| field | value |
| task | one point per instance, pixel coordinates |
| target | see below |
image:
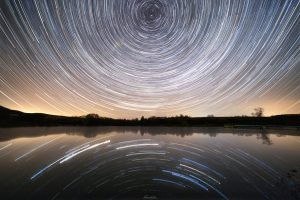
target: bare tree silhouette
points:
(258, 112)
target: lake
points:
(149, 163)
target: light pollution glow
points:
(128, 58)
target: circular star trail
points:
(127, 58)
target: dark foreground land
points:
(14, 118)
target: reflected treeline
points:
(265, 138)
(12, 133)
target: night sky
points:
(128, 58)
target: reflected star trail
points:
(127, 58)
(114, 165)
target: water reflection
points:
(89, 132)
(148, 163)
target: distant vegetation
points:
(258, 112)
(12, 118)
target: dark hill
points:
(14, 118)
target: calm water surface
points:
(148, 163)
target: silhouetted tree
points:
(91, 119)
(142, 120)
(258, 112)
(92, 116)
